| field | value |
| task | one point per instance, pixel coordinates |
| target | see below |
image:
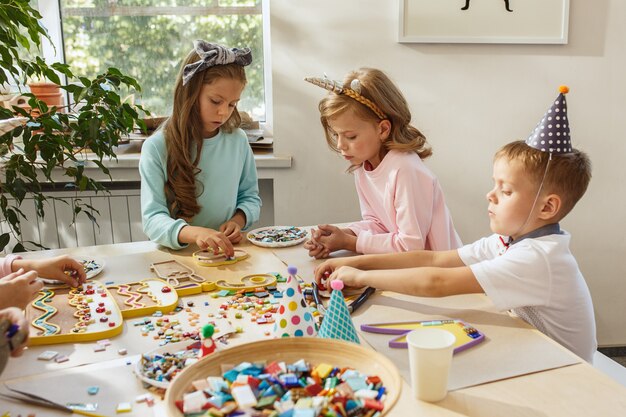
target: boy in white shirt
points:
(526, 265)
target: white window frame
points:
(53, 52)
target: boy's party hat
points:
(552, 133)
(294, 317)
(337, 323)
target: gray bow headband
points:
(212, 54)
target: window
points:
(147, 39)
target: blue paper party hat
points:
(337, 323)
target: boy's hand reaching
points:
(232, 230)
(326, 269)
(350, 276)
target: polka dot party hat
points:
(337, 323)
(294, 318)
(552, 133)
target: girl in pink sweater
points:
(367, 120)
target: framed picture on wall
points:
(484, 21)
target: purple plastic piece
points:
(401, 332)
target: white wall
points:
(468, 100)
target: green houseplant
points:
(51, 138)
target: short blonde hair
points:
(568, 174)
(378, 88)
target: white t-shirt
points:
(537, 278)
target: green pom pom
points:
(207, 331)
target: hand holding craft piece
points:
(208, 258)
(93, 267)
(12, 335)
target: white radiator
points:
(118, 221)
(119, 218)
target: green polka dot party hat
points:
(294, 318)
(337, 323)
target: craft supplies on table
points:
(64, 315)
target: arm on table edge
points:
(423, 282)
(412, 259)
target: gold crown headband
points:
(353, 92)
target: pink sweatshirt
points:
(5, 264)
(403, 208)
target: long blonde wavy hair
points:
(183, 136)
(377, 87)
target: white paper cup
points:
(430, 357)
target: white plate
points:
(92, 266)
(169, 348)
(252, 236)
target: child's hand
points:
(61, 268)
(326, 268)
(351, 277)
(232, 230)
(316, 250)
(214, 240)
(334, 238)
(14, 316)
(19, 289)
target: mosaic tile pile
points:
(276, 234)
(280, 390)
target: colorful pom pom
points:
(563, 89)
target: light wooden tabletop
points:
(573, 390)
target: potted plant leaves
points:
(51, 136)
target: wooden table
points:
(575, 390)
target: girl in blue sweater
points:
(198, 176)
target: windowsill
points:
(126, 166)
(128, 156)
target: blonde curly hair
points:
(379, 89)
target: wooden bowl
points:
(314, 350)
